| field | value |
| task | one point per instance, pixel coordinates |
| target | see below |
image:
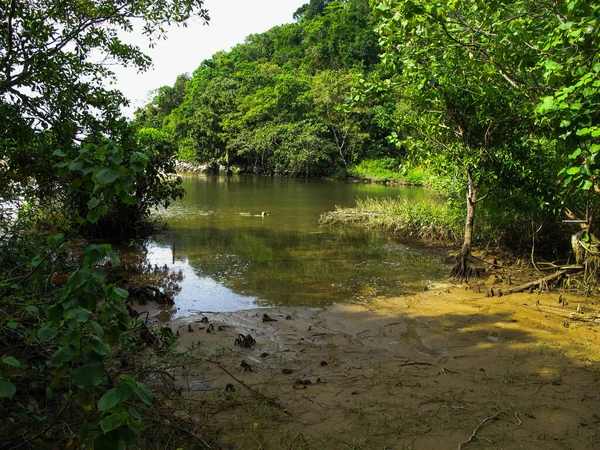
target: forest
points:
(493, 105)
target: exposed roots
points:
(465, 269)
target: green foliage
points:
(115, 187)
(570, 66)
(53, 81)
(71, 163)
(286, 101)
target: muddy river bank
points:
(446, 368)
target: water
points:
(233, 257)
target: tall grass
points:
(388, 169)
(421, 219)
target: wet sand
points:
(445, 369)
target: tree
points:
(340, 107)
(55, 59)
(470, 75)
(570, 63)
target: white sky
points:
(230, 22)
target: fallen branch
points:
(269, 401)
(478, 427)
(541, 281)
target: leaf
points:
(109, 400)
(127, 198)
(121, 292)
(135, 413)
(144, 392)
(88, 375)
(7, 389)
(94, 254)
(80, 315)
(98, 346)
(11, 361)
(93, 202)
(573, 170)
(79, 278)
(46, 334)
(63, 354)
(106, 176)
(584, 131)
(548, 103)
(111, 422)
(55, 238)
(93, 215)
(98, 329)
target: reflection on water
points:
(233, 257)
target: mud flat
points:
(444, 369)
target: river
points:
(233, 257)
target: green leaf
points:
(587, 184)
(93, 215)
(106, 176)
(7, 389)
(110, 399)
(98, 346)
(64, 354)
(93, 202)
(94, 254)
(127, 198)
(79, 278)
(121, 292)
(144, 392)
(111, 422)
(47, 333)
(584, 131)
(80, 315)
(88, 375)
(59, 153)
(55, 239)
(548, 103)
(11, 361)
(98, 329)
(573, 170)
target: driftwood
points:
(540, 282)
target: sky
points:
(230, 22)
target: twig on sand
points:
(416, 363)
(553, 380)
(269, 400)
(478, 427)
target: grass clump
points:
(422, 219)
(389, 170)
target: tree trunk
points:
(464, 268)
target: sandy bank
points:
(418, 372)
